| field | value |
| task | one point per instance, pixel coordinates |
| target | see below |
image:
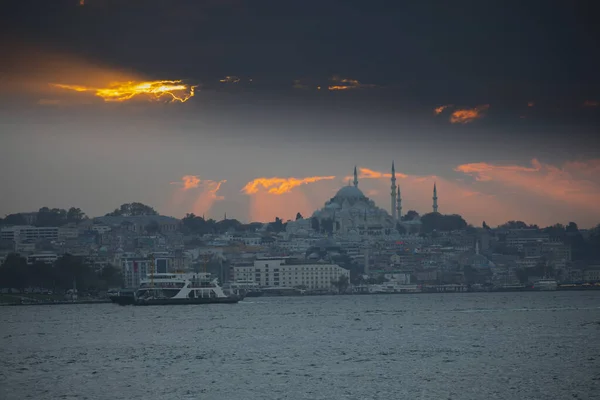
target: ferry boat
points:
(248, 287)
(393, 287)
(545, 284)
(121, 296)
(177, 288)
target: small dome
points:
(349, 192)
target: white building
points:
(44, 257)
(68, 232)
(20, 233)
(289, 272)
(134, 269)
(101, 229)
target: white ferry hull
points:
(171, 301)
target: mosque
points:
(353, 213)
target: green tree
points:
(75, 215)
(341, 284)
(14, 219)
(71, 270)
(111, 277)
(132, 210)
(51, 217)
(277, 226)
(410, 215)
(439, 222)
(14, 272)
(228, 225)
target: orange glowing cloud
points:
(280, 186)
(573, 184)
(347, 84)
(591, 103)
(175, 91)
(467, 115)
(530, 104)
(440, 109)
(230, 79)
(190, 182)
(205, 193)
(537, 193)
(366, 173)
(32, 69)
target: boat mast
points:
(151, 270)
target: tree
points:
(111, 276)
(228, 225)
(572, 228)
(341, 283)
(517, 225)
(14, 272)
(400, 228)
(555, 231)
(71, 270)
(410, 215)
(132, 210)
(299, 216)
(15, 219)
(277, 226)
(315, 225)
(485, 226)
(192, 224)
(51, 217)
(439, 222)
(75, 215)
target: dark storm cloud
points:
(419, 55)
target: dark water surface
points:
(429, 346)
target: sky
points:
(261, 109)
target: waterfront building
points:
(43, 257)
(290, 272)
(21, 233)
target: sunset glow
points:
(280, 186)
(466, 115)
(440, 109)
(230, 79)
(347, 84)
(175, 91)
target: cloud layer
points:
(197, 194)
(537, 193)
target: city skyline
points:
(505, 122)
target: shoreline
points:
(49, 303)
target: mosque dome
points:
(349, 192)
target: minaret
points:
(394, 215)
(435, 205)
(399, 204)
(355, 177)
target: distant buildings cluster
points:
(350, 238)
